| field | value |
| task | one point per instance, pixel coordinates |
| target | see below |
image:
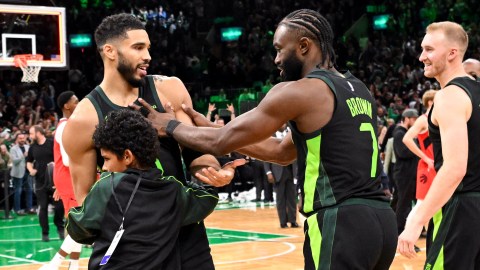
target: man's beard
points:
(127, 71)
(292, 68)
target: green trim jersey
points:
(152, 222)
(471, 180)
(340, 160)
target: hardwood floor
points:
(267, 246)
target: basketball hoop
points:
(30, 71)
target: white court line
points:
(45, 249)
(25, 240)
(42, 263)
(18, 226)
(292, 248)
(257, 232)
(18, 258)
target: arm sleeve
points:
(197, 202)
(15, 158)
(267, 166)
(84, 221)
(30, 155)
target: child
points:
(134, 213)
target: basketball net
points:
(30, 71)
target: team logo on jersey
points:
(351, 86)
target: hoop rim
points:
(21, 60)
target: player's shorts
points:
(424, 179)
(195, 248)
(453, 239)
(69, 201)
(356, 234)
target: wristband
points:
(171, 126)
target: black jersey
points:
(340, 160)
(169, 157)
(471, 181)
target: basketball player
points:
(419, 130)
(472, 68)
(454, 124)
(67, 102)
(332, 116)
(124, 45)
(149, 207)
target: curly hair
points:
(116, 26)
(127, 129)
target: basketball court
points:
(242, 235)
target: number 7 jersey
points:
(340, 160)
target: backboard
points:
(33, 30)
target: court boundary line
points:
(18, 259)
(236, 230)
(290, 250)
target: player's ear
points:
(304, 45)
(452, 54)
(108, 51)
(128, 158)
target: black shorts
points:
(453, 239)
(195, 248)
(356, 234)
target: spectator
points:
(20, 177)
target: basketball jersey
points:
(61, 172)
(425, 143)
(471, 180)
(169, 156)
(424, 175)
(340, 160)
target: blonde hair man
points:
(454, 125)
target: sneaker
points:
(32, 212)
(294, 225)
(45, 238)
(20, 213)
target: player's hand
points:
(159, 120)
(387, 193)
(221, 177)
(198, 119)
(430, 163)
(408, 238)
(270, 178)
(33, 172)
(56, 195)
